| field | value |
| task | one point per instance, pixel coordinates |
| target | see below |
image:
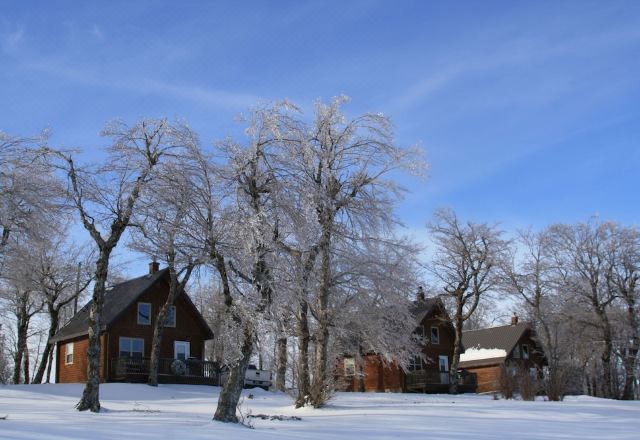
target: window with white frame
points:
(170, 320)
(516, 352)
(68, 353)
(435, 335)
(525, 351)
(349, 366)
(419, 331)
(415, 363)
(144, 313)
(131, 347)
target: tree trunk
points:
(158, 328)
(607, 382)
(21, 343)
(281, 363)
(91, 394)
(49, 364)
(48, 349)
(230, 394)
(303, 355)
(175, 288)
(319, 391)
(457, 348)
(631, 356)
(25, 360)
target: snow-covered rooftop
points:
(476, 354)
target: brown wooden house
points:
(430, 376)
(490, 352)
(128, 318)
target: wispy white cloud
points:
(528, 52)
(193, 93)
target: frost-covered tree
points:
(467, 256)
(342, 168)
(60, 273)
(255, 184)
(530, 273)
(104, 196)
(20, 295)
(622, 277)
(28, 190)
(374, 280)
(580, 259)
(163, 232)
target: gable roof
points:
(425, 308)
(495, 338)
(116, 300)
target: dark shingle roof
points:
(504, 338)
(116, 300)
(423, 308)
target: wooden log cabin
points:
(491, 352)
(128, 319)
(369, 373)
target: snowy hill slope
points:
(135, 411)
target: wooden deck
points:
(191, 371)
(430, 382)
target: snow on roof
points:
(475, 354)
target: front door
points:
(443, 367)
(181, 350)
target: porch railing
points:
(426, 379)
(130, 367)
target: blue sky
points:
(529, 112)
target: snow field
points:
(136, 411)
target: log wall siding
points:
(487, 378)
(377, 376)
(76, 372)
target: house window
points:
(68, 353)
(435, 335)
(170, 320)
(525, 351)
(182, 350)
(419, 332)
(131, 347)
(516, 352)
(144, 313)
(415, 363)
(349, 367)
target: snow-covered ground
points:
(133, 411)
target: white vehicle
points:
(252, 378)
(257, 378)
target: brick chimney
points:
(514, 319)
(420, 294)
(154, 267)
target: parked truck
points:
(252, 378)
(257, 378)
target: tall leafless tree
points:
(580, 253)
(622, 278)
(104, 197)
(60, 273)
(163, 222)
(464, 268)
